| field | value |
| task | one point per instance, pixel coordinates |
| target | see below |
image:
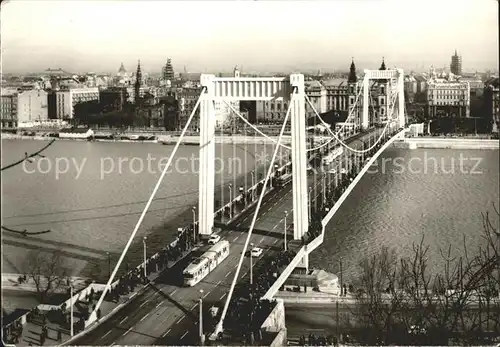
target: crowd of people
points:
(247, 311)
(127, 283)
(321, 340)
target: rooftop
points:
(335, 82)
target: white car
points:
(332, 171)
(256, 252)
(214, 238)
(343, 171)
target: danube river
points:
(91, 194)
(97, 202)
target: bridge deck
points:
(167, 313)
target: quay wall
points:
(447, 143)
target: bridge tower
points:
(393, 79)
(230, 89)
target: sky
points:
(213, 36)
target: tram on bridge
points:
(202, 266)
(281, 177)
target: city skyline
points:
(98, 36)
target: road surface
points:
(167, 313)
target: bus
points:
(332, 155)
(202, 266)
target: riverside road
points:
(167, 313)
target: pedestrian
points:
(59, 335)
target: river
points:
(435, 193)
(98, 201)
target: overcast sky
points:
(260, 35)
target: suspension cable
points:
(253, 126)
(219, 327)
(146, 208)
(343, 143)
(351, 112)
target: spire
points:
(456, 52)
(138, 83)
(352, 73)
(382, 67)
(168, 72)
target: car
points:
(332, 171)
(256, 252)
(214, 238)
(343, 171)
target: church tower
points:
(138, 84)
(383, 97)
(352, 91)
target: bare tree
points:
(455, 303)
(377, 299)
(47, 271)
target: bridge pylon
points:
(395, 80)
(220, 89)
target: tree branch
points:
(25, 232)
(27, 157)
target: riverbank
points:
(447, 143)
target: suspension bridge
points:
(166, 312)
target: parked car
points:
(256, 252)
(214, 238)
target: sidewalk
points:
(32, 330)
(11, 282)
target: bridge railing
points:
(313, 243)
(251, 190)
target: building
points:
(448, 99)
(61, 103)
(122, 77)
(456, 64)
(8, 115)
(316, 93)
(410, 84)
(149, 114)
(32, 106)
(421, 84)
(168, 71)
(113, 99)
(491, 99)
(170, 112)
(476, 85)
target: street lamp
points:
(71, 308)
(202, 336)
(286, 214)
(194, 223)
(341, 281)
(324, 189)
(230, 201)
(253, 184)
(310, 202)
(251, 265)
(144, 243)
(109, 264)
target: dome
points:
(122, 72)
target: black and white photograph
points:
(250, 173)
